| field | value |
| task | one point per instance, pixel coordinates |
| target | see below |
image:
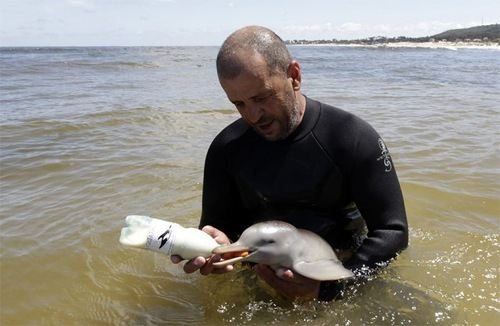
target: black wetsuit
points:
(314, 179)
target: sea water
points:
(90, 135)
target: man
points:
(298, 160)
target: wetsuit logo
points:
(164, 237)
(385, 155)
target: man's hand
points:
(205, 264)
(288, 283)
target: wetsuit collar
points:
(308, 122)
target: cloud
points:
(80, 3)
(351, 30)
(327, 27)
(86, 5)
(350, 27)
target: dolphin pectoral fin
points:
(322, 270)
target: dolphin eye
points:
(266, 242)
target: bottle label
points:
(161, 236)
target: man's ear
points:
(294, 72)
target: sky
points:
(209, 22)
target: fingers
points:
(205, 265)
(267, 274)
(280, 273)
(285, 274)
(217, 234)
(194, 264)
(210, 230)
(291, 285)
(175, 259)
(223, 270)
(209, 268)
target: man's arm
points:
(377, 193)
(219, 207)
(221, 204)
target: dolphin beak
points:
(241, 252)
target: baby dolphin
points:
(280, 244)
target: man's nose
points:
(253, 113)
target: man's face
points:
(266, 102)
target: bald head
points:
(250, 41)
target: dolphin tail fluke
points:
(322, 270)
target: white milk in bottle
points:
(169, 238)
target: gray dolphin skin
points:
(280, 244)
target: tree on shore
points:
(482, 34)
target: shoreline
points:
(426, 45)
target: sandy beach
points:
(442, 45)
(426, 45)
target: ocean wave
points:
(111, 64)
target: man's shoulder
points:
(339, 124)
(335, 116)
(231, 133)
(340, 133)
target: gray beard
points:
(293, 117)
(293, 122)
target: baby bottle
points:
(167, 237)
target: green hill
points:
(482, 34)
(492, 32)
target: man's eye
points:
(261, 99)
